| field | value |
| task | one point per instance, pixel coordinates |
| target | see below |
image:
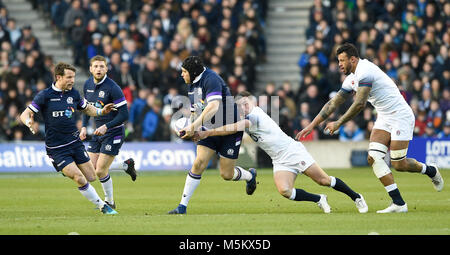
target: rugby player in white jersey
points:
(393, 128)
(289, 157)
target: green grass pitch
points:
(49, 204)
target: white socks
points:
(89, 192)
(391, 187)
(241, 174)
(424, 168)
(107, 185)
(192, 181)
(118, 166)
(333, 181)
(293, 194)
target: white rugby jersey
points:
(268, 135)
(384, 95)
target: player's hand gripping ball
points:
(179, 124)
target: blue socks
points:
(339, 185)
(302, 195)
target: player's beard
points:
(347, 69)
(98, 78)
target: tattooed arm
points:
(360, 102)
(358, 105)
(326, 111)
(331, 106)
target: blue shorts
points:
(63, 156)
(226, 146)
(110, 143)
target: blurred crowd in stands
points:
(145, 42)
(408, 39)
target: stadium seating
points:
(145, 42)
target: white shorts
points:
(400, 125)
(296, 160)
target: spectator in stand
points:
(430, 131)
(312, 97)
(350, 132)
(95, 47)
(126, 82)
(13, 30)
(27, 37)
(435, 115)
(265, 99)
(76, 40)
(445, 101)
(58, 10)
(445, 133)
(151, 121)
(29, 71)
(420, 123)
(311, 136)
(173, 51)
(155, 36)
(136, 108)
(11, 77)
(150, 76)
(425, 100)
(163, 131)
(72, 13)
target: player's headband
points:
(194, 66)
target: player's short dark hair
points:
(349, 49)
(194, 65)
(61, 66)
(97, 58)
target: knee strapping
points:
(398, 155)
(378, 151)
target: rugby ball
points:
(179, 124)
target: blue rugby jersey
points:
(57, 108)
(100, 94)
(209, 86)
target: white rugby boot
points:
(393, 208)
(437, 180)
(323, 204)
(361, 204)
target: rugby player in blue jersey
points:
(108, 138)
(212, 105)
(57, 105)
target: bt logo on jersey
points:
(68, 113)
(56, 114)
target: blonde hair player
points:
(109, 134)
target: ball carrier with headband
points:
(393, 128)
(211, 102)
(110, 133)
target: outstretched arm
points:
(94, 111)
(358, 105)
(223, 130)
(206, 115)
(326, 111)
